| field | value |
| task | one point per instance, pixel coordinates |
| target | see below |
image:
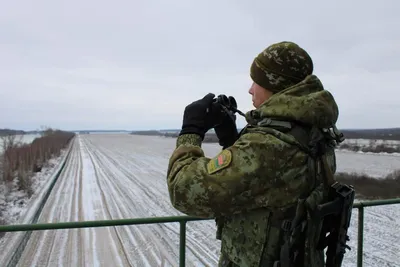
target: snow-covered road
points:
(102, 182)
(123, 176)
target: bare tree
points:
(10, 141)
(7, 143)
(46, 130)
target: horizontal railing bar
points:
(379, 202)
(97, 223)
(148, 220)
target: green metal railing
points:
(183, 220)
(360, 206)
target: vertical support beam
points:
(182, 243)
(360, 236)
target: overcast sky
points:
(136, 64)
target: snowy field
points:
(123, 176)
(375, 165)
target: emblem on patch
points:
(219, 162)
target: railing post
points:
(360, 236)
(182, 243)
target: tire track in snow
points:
(137, 238)
(138, 207)
(101, 243)
(40, 248)
(74, 197)
(194, 246)
(76, 258)
(143, 193)
(107, 210)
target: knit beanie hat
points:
(280, 66)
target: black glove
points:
(197, 118)
(226, 131)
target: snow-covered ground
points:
(118, 176)
(14, 202)
(376, 165)
(20, 209)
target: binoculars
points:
(227, 102)
(223, 107)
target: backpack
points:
(322, 216)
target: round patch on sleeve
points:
(219, 162)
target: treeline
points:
(372, 188)
(6, 132)
(208, 137)
(381, 134)
(371, 147)
(149, 132)
(20, 161)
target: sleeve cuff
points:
(189, 139)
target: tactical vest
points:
(298, 229)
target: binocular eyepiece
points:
(228, 102)
(224, 103)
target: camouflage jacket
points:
(262, 174)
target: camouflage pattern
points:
(281, 65)
(305, 102)
(266, 175)
(186, 139)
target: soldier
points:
(253, 185)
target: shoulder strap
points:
(316, 142)
(274, 123)
(299, 133)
